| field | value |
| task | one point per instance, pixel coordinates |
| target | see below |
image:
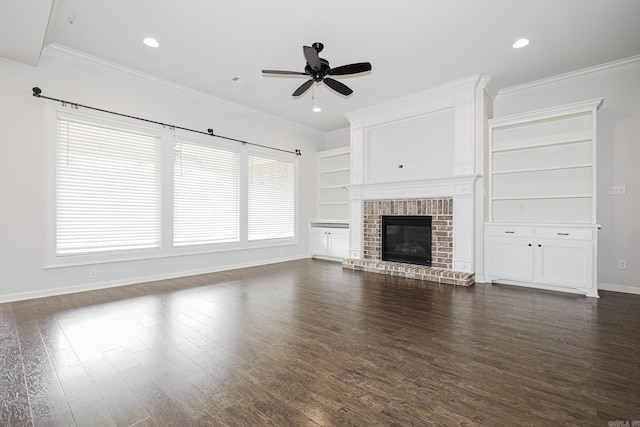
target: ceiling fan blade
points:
(287, 73)
(359, 67)
(303, 88)
(312, 57)
(337, 86)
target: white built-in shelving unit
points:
(333, 178)
(329, 232)
(542, 198)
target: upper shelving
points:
(333, 177)
(542, 165)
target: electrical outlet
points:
(93, 273)
(622, 264)
(616, 190)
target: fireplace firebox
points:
(406, 239)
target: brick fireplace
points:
(440, 210)
(449, 207)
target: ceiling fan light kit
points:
(317, 69)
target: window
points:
(205, 195)
(118, 190)
(107, 188)
(271, 193)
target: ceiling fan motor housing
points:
(318, 75)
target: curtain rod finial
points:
(36, 91)
(298, 153)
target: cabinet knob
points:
(539, 246)
(529, 244)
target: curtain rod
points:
(37, 92)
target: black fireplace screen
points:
(406, 239)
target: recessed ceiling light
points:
(520, 43)
(151, 42)
(316, 109)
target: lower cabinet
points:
(329, 240)
(549, 257)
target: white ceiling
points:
(413, 45)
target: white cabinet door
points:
(564, 263)
(318, 241)
(339, 242)
(509, 259)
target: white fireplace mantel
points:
(460, 188)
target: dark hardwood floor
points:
(306, 343)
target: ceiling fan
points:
(318, 69)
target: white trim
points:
(613, 287)
(73, 56)
(337, 132)
(572, 77)
(427, 101)
(588, 106)
(140, 279)
(423, 189)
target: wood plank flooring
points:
(306, 343)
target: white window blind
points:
(271, 198)
(107, 188)
(205, 195)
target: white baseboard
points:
(133, 280)
(627, 289)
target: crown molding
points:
(337, 133)
(434, 99)
(82, 59)
(614, 67)
(487, 84)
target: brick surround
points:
(441, 212)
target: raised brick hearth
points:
(441, 212)
(410, 271)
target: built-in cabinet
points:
(329, 240)
(542, 199)
(550, 257)
(329, 233)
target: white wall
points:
(618, 155)
(22, 171)
(336, 139)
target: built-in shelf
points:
(551, 168)
(334, 170)
(564, 196)
(333, 178)
(547, 160)
(544, 144)
(542, 229)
